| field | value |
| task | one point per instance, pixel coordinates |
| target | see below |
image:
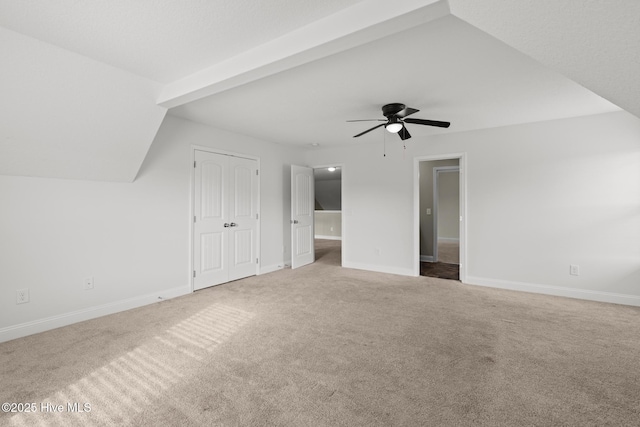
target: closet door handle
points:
(226, 225)
(233, 224)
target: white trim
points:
(327, 211)
(60, 320)
(462, 165)
(317, 236)
(448, 240)
(380, 268)
(426, 258)
(584, 294)
(192, 188)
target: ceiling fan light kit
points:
(396, 114)
(394, 125)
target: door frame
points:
(436, 171)
(462, 164)
(342, 209)
(192, 201)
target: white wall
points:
(64, 115)
(540, 197)
(133, 238)
(448, 205)
(328, 225)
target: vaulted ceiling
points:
(86, 85)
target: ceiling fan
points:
(395, 120)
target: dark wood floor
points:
(440, 270)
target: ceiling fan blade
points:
(428, 122)
(406, 112)
(369, 130)
(404, 133)
(367, 120)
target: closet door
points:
(243, 211)
(225, 218)
(210, 216)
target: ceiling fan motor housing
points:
(390, 110)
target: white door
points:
(225, 218)
(302, 207)
(243, 217)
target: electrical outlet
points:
(574, 270)
(88, 283)
(22, 296)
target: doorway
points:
(329, 230)
(439, 225)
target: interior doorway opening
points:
(439, 219)
(328, 224)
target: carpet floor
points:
(329, 346)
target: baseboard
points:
(379, 268)
(426, 258)
(328, 237)
(584, 294)
(271, 268)
(448, 240)
(53, 322)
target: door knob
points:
(233, 224)
(295, 221)
(226, 225)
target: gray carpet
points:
(327, 346)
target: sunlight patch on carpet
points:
(117, 391)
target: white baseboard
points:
(448, 240)
(379, 268)
(584, 294)
(271, 268)
(53, 322)
(328, 237)
(426, 258)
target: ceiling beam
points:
(354, 26)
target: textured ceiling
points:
(593, 42)
(447, 68)
(162, 40)
(293, 71)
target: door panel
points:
(302, 207)
(212, 252)
(244, 207)
(209, 232)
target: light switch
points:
(428, 211)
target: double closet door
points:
(225, 218)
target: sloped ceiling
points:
(85, 85)
(596, 43)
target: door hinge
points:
(194, 163)
(194, 218)
(257, 173)
(257, 216)
(256, 260)
(194, 273)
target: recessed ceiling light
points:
(331, 169)
(314, 144)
